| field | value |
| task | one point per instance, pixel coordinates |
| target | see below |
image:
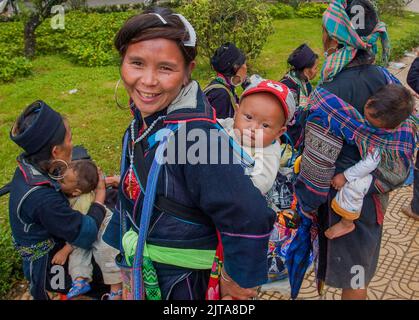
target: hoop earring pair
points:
(61, 173)
(234, 82)
(115, 95)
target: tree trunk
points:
(29, 35)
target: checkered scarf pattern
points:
(339, 27)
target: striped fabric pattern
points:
(343, 120)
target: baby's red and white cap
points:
(279, 90)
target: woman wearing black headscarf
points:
(304, 63)
(41, 218)
(230, 64)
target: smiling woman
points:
(173, 258)
(154, 72)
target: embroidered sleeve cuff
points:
(87, 235)
(245, 259)
(97, 212)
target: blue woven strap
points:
(147, 210)
(150, 195)
(246, 160)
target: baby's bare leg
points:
(115, 289)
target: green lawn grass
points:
(289, 33)
(96, 121)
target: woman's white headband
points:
(192, 34)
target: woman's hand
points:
(113, 181)
(231, 290)
(100, 188)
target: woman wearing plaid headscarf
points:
(351, 29)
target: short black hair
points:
(392, 104)
(146, 26)
(87, 175)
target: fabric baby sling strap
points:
(144, 276)
(162, 203)
(142, 267)
(220, 86)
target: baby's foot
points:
(113, 295)
(80, 286)
(339, 229)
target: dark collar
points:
(202, 111)
(33, 176)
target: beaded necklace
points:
(221, 79)
(131, 151)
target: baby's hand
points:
(339, 181)
(112, 181)
(100, 190)
(60, 258)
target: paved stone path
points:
(397, 275)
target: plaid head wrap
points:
(339, 27)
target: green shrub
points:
(407, 43)
(11, 39)
(311, 10)
(281, 11)
(91, 56)
(243, 22)
(292, 3)
(393, 7)
(11, 68)
(77, 4)
(114, 8)
(173, 3)
(87, 38)
(12, 63)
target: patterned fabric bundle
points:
(343, 120)
(34, 252)
(298, 255)
(339, 27)
(332, 121)
(151, 285)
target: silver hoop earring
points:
(115, 95)
(239, 83)
(61, 172)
